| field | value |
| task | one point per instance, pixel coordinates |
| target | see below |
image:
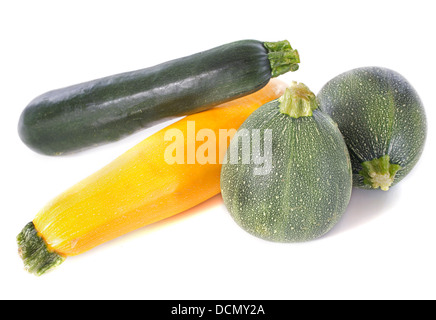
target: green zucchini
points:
(308, 185)
(104, 110)
(382, 120)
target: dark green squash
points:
(382, 120)
(307, 186)
(107, 109)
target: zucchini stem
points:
(298, 101)
(36, 256)
(379, 173)
(282, 57)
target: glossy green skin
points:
(308, 188)
(379, 113)
(107, 109)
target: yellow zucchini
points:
(138, 188)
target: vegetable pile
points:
(284, 159)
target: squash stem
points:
(379, 173)
(282, 57)
(36, 256)
(298, 101)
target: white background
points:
(383, 248)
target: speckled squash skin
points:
(379, 113)
(308, 188)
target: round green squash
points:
(382, 120)
(287, 173)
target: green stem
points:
(282, 57)
(379, 173)
(298, 101)
(36, 256)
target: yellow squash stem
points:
(148, 183)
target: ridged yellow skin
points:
(140, 187)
